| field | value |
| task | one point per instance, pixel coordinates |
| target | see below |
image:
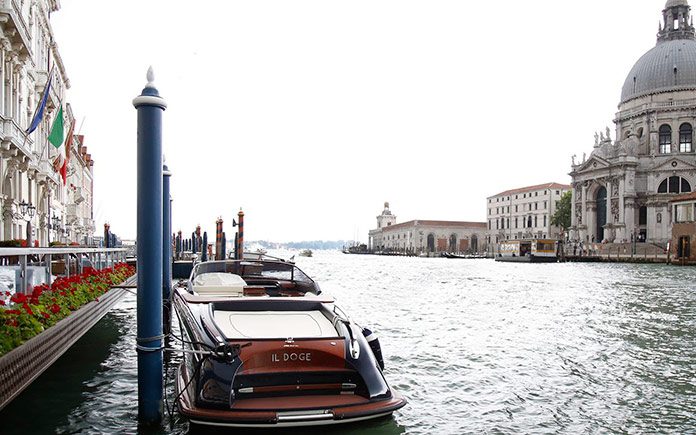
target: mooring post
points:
(240, 223)
(149, 297)
(204, 252)
(166, 247)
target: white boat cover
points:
(219, 283)
(274, 324)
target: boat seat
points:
(219, 284)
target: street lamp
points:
(23, 207)
(31, 210)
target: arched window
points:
(685, 138)
(665, 139)
(674, 185)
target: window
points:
(665, 139)
(497, 224)
(536, 193)
(516, 209)
(516, 223)
(489, 212)
(536, 206)
(536, 223)
(544, 205)
(544, 221)
(685, 138)
(490, 224)
(529, 222)
(684, 213)
(502, 224)
(524, 196)
(674, 185)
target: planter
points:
(20, 366)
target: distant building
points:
(428, 236)
(622, 190)
(524, 213)
(684, 228)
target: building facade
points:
(622, 191)
(524, 213)
(684, 229)
(36, 203)
(426, 236)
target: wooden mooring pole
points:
(150, 107)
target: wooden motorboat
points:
(265, 348)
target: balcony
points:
(13, 138)
(17, 22)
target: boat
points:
(264, 347)
(528, 251)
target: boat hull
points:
(527, 259)
(287, 411)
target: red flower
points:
(55, 308)
(2, 303)
(13, 312)
(19, 298)
(46, 315)
(28, 309)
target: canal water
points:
(476, 346)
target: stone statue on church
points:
(573, 159)
(596, 139)
(608, 134)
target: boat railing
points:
(21, 268)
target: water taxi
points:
(528, 251)
(264, 347)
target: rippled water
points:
(476, 346)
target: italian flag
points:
(56, 139)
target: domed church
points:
(621, 191)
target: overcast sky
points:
(311, 114)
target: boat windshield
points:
(267, 270)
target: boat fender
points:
(373, 341)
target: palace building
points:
(524, 213)
(622, 190)
(426, 236)
(39, 203)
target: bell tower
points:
(386, 218)
(677, 22)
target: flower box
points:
(21, 365)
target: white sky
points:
(311, 114)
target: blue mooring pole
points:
(166, 248)
(149, 248)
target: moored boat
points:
(528, 251)
(265, 348)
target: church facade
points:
(622, 190)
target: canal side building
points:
(426, 236)
(684, 229)
(622, 191)
(524, 213)
(37, 201)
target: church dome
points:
(672, 3)
(669, 66)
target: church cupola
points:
(386, 219)
(677, 22)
